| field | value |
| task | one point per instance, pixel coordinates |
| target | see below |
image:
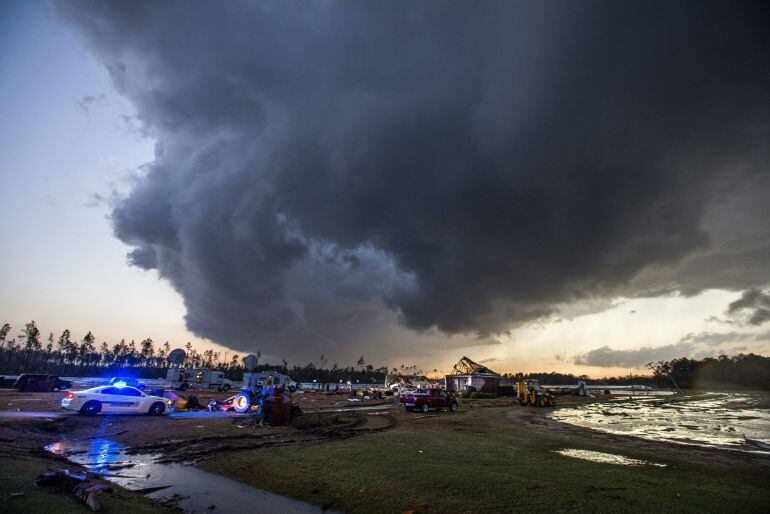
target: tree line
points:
(743, 371)
(554, 378)
(64, 355)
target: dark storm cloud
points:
(753, 307)
(325, 167)
(698, 346)
(143, 257)
(607, 357)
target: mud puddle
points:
(605, 458)
(735, 421)
(184, 486)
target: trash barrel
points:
(281, 409)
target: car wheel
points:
(453, 407)
(242, 403)
(292, 389)
(184, 387)
(225, 388)
(91, 408)
(156, 409)
(424, 407)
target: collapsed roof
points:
(467, 367)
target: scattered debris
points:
(193, 403)
(79, 485)
(87, 493)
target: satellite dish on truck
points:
(177, 356)
(251, 362)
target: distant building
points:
(467, 373)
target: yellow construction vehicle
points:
(531, 393)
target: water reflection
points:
(722, 420)
(187, 487)
(103, 453)
(606, 458)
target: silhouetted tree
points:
(3, 334)
(31, 338)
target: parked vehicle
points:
(115, 400)
(40, 382)
(127, 381)
(200, 378)
(530, 392)
(267, 378)
(427, 399)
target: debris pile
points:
(77, 484)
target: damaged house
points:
(467, 373)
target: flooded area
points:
(184, 486)
(605, 458)
(735, 421)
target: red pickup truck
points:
(426, 399)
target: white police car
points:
(115, 399)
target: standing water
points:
(737, 421)
(186, 487)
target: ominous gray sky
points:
(330, 177)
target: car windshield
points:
(129, 391)
(121, 391)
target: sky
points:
(577, 188)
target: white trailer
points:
(266, 378)
(199, 378)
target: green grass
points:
(480, 461)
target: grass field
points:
(482, 460)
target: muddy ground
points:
(216, 442)
(191, 436)
(195, 435)
(31, 421)
(184, 435)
